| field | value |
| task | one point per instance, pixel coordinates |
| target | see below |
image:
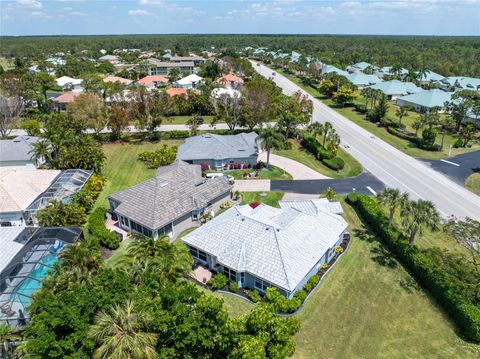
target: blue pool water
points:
(29, 285)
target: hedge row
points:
(422, 266)
(322, 154)
(414, 139)
(96, 227)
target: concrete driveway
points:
(297, 170)
(252, 185)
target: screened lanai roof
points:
(65, 184)
(23, 275)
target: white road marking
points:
(451, 163)
(371, 190)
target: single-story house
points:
(259, 247)
(361, 80)
(425, 100)
(69, 83)
(327, 69)
(174, 91)
(25, 191)
(394, 88)
(157, 67)
(169, 203)
(430, 76)
(60, 103)
(453, 83)
(220, 91)
(56, 61)
(113, 79)
(188, 82)
(113, 59)
(152, 81)
(220, 150)
(294, 56)
(18, 152)
(197, 60)
(230, 80)
(360, 66)
(387, 71)
(35, 69)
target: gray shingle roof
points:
(17, 149)
(159, 63)
(211, 146)
(176, 190)
(279, 245)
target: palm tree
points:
(401, 113)
(120, 334)
(416, 215)
(327, 130)
(81, 259)
(271, 139)
(6, 337)
(393, 199)
(316, 129)
(333, 141)
(41, 151)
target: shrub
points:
(360, 108)
(33, 127)
(458, 143)
(422, 265)
(311, 283)
(96, 227)
(233, 287)
(204, 166)
(335, 163)
(315, 147)
(254, 296)
(283, 304)
(219, 281)
(176, 134)
(161, 157)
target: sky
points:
(90, 17)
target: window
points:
(231, 274)
(198, 254)
(242, 277)
(261, 284)
(202, 256)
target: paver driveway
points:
(298, 170)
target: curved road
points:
(391, 166)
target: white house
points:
(188, 82)
(258, 246)
(425, 100)
(70, 84)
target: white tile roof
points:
(20, 187)
(279, 245)
(313, 206)
(190, 79)
(8, 245)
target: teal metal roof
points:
(330, 68)
(361, 65)
(431, 76)
(466, 83)
(428, 99)
(396, 87)
(360, 79)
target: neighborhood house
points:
(218, 151)
(188, 82)
(18, 152)
(157, 67)
(264, 247)
(169, 203)
(425, 100)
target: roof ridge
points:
(281, 260)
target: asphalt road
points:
(458, 168)
(364, 183)
(389, 165)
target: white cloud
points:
(77, 13)
(33, 4)
(139, 12)
(150, 3)
(67, 8)
(40, 14)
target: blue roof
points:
(387, 70)
(429, 98)
(431, 76)
(466, 83)
(330, 68)
(361, 79)
(361, 65)
(396, 87)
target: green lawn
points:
(473, 183)
(273, 173)
(123, 169)
(182, 120)
(270, 198)
(299, 154)
(369, 307)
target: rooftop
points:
(395, 87)
(177, 91)
(279, 245)
(152, 79)
(158, 63)
(18, 149)
(212, 146)
(67, 97)
(175, 191)
(227, 79)
(190, 79)
(429, 98)
(114, 79)
(359, 78)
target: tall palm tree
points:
(327, 130)
(81, 258)
(271, 139)
(393, 199)
(333, 141)
(41, 151)
(315, 128)
(419, 214)
(401, 113)
(120, 334)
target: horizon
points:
(284, 17)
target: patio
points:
(113, 226)
(201, 274)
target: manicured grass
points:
(270, 198)
(272, 173)
(182, 120)
(473, 183)
(369, 307)
(123, 169)
(299, 154)
(235, 305)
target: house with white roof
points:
(362, 80)
(113, 59)
(69, 83)
(453, 83)
(394, 88)
(259, 247)
(56, 61)
(430, 76)
(425, 100)
(218, 151)
(24, 191)
(360, 66)
(188, 82)
(228, 91)
(387, 71)
(327, 69)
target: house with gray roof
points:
(169, 203)
(157, 67)
(261, 247)
(453, 83)
(327, 69)
(430, 76)
(360, 66)
(388, 71)
(219, 151)
(394, 88)
(362, 80)
(18, 152)
(425, 100)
